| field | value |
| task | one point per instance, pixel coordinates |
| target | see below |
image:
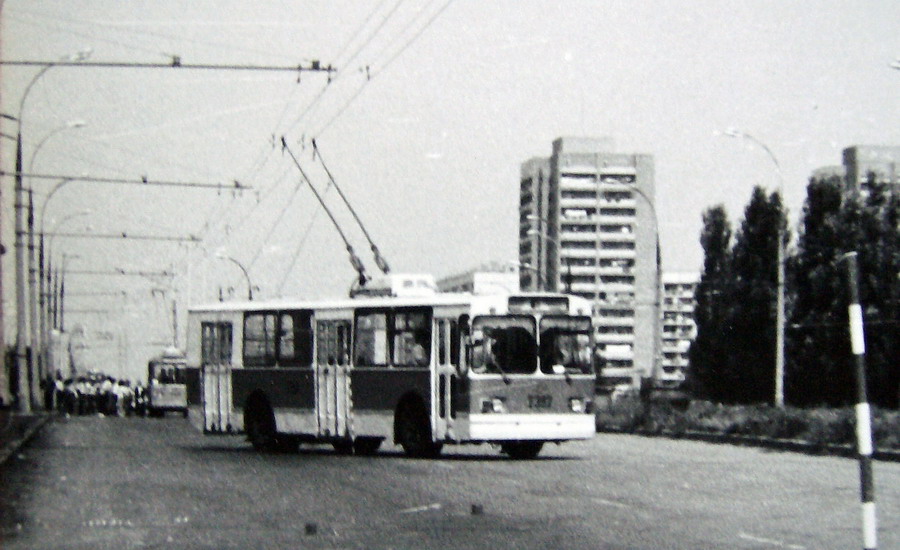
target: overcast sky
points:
(424, 126)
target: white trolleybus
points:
(512, 370)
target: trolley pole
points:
(863, 412)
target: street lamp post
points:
(780, 268)
(23, 365)
(45, 272)
(35, 274)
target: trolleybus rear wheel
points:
(261, 429)
(522, 450)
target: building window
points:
(578, 195)
(617, 245)
(617, 211)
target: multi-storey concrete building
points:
(490, 278)
(678, 326)
(587, 225)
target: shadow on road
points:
(395, 454)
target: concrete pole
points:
(23, 388)
(36, 348)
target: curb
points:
(12, 447)
(788, 445)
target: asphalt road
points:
(93, 482)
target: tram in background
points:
(166, 384)
(422, 371)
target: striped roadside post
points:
(863, 412)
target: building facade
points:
(862, 160)
(678, 326)
(587, 226)
(490, 278)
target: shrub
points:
(821, 426)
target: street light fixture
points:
(780, 267)
(223, 256)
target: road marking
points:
(609, 503)
(771, 542)
(435, 506)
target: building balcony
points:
(565, 203)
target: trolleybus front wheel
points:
(522, 450)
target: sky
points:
(424, 124)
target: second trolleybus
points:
(512, 370)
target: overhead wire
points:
(266, 153)
(372, 75)
(113, 26)
(347, 62)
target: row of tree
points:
(733, 357)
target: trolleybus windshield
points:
(565, 345)
(504, 345)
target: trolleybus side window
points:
(295, 339)
(371, 339)
(411, 338)
(259, 339)
(400, 337)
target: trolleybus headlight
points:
(576, 404)
(493, 405)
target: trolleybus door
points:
(333, 379)
(443, 381)
(216, 377)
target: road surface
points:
(94, 482)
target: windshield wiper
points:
(503, 374)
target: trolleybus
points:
(420, 371)
(166, 388)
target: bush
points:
(821, 427)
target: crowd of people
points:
(94, 393)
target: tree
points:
(836, 222)
(819, 370)
(752, 310)
(707, 377)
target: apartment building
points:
(678, 326)
(587, 226)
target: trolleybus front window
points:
(503, 345)
(565, 345)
